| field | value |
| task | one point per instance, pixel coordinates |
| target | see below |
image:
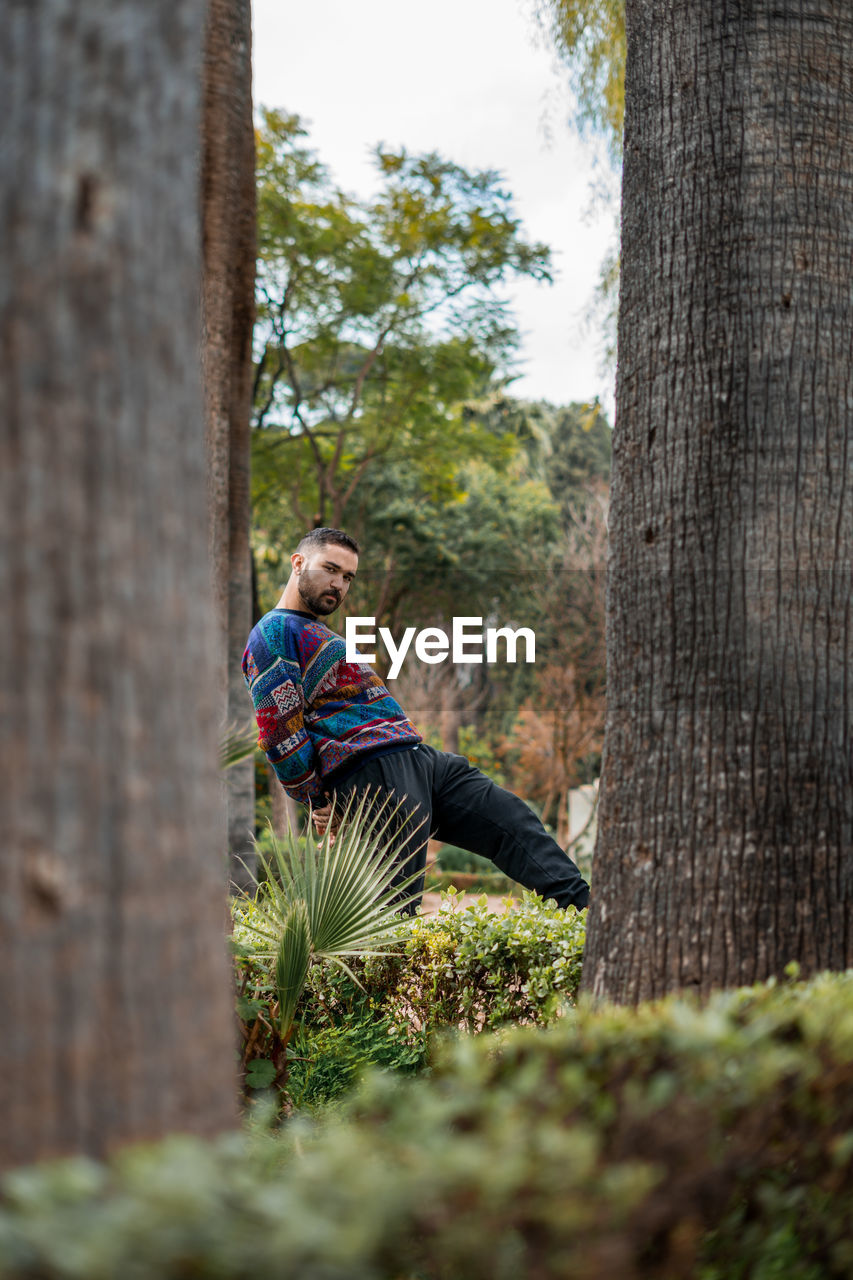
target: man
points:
(331, 729)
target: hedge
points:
(667, 1141)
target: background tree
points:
(725, 845)
(469, 557)
(229, 241)
(546, 720)
(588, 37)
(116, 1013)
(381, 406)
(375, 319)
(523, 545)
(555, 740)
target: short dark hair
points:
(323, 537)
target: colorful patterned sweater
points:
(316, 712)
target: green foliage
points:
(481, 754)
(292, 959)
(346, 1030)
(260, 1073)
(565, 446)
(472, 968)
(589, 37)
(493, 546)
(398, 433)
(375, 320)
(667, 1141)
(425, 553)
(322, 900)
(581, 445)
(464, 968)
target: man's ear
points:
(297, 560)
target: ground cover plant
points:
(671, 1140)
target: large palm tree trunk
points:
(228, 221)
(725, 843)
(115, 987)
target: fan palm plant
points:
(329, 899)
(238, 742)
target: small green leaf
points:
(248, 1009)
(260, 1073)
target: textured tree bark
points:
(115, 988)
(228, 219)
(725, 846)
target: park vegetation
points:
(434, 1098)
(443, 1105)
(384, 359)
(667, 1141)
(467, 968)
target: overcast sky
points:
(470, 79)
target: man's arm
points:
(279, 711)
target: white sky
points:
(469, 79)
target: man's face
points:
(324, 576)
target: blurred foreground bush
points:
(668, 1141)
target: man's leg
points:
(475, 813)
(401, 780)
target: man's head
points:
(324, 565)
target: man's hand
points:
(325, 819)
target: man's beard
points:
(318, 601)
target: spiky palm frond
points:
(291, 966)
(238, 742)
(342, 893)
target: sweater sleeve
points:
(279, 705)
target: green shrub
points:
(340, 1027)
(464, 968)
(332, 1053)
(324, 901)
(472, 968)
(668, 1141)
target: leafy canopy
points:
(376, 318)
(589, 37)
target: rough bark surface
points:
(725, 845)
(228, 220)
(115, 993)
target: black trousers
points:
(445, 797)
